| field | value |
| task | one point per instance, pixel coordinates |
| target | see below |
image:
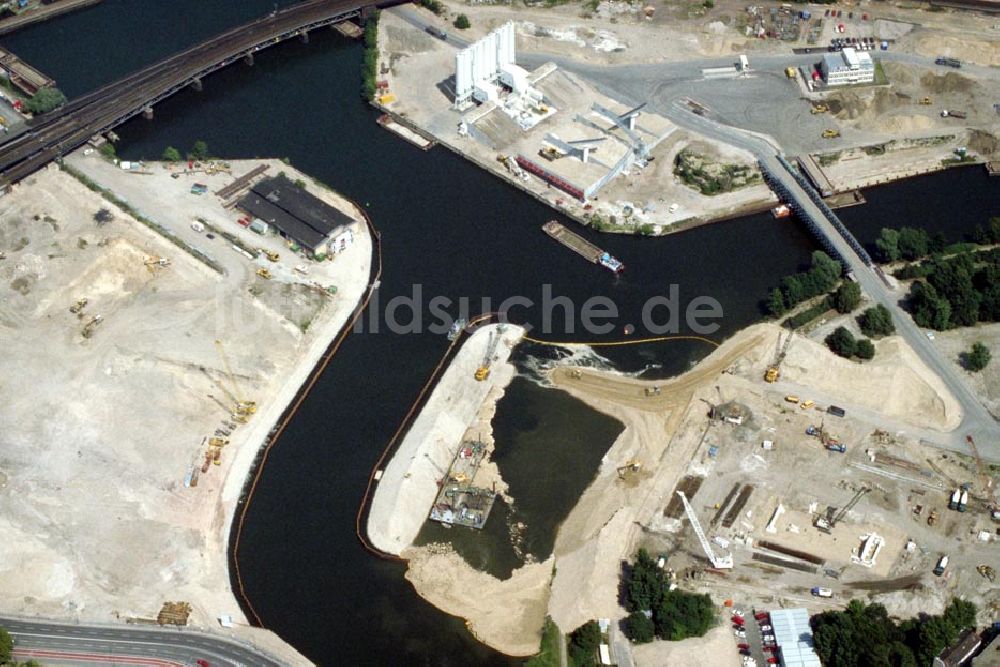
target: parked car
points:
(761, 616)
(765, 628)
(741, 646)
(738, 612)
(772, 660)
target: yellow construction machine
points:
(270, 254)
(244, 407)
(78, 307)
(483, 371)
(153, 262)
(264, 273)
(773, 372)
(790, 72)
(630, 468)
(819, 107)
(831, 134)
(925, 101)
(88, 328)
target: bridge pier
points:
(197, 84)
(147, 113)
(248, 59)
(304, 36)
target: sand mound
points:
(717, 647)
(895, 383)
(983, 142)
(904, 124)
(951, 82)
(979, 51)
(507, 615)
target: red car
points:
(770, 649)
(202, 663)
(772, 660)
(761, 616)
(738, 620)
(742, 646)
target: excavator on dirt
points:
(831, 133)
(819, 107)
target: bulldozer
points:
(932, 517)
(631, 467)
(819, 107)
(78, 307)
(217, 442)
(925, 101)
(270, 254)
(153, 262)
(987, 571)
(88, 328)
(264, 273)
(831, 134)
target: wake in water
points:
(534, 362)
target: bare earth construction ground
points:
(99, 433)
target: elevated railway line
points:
(55, 134)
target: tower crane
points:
(483, 371)
(718, 562)
(244, 407)
(826, 525)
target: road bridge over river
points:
(55, 134)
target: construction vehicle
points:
(244, 407)
(153, 262)
(941, 566)
(773, 372)
(790, 72)
(836, 447)
(955, 497)
(483, 371)
(988, 572)
(270, 254)
(88, 328)
(217, 442)
(945, 113)
(631, 467)
(807, 404)
(827, 523)
(791, 399)
(831, 133)
(963, 502)
(78, 307)
(932, 517)
(925, 101)
(819, 107)
(718, 562)
(264, 273)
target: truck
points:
(948, 62)
(941, 566)
(952, 114)
(836, 447)
(744, 64)
(822, 592)
(836, 411)
(963, 502)
(437, 32)
(953, 501)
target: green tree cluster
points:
(434, 6)
(369, 63)
(843, 343)
(987, 234)
(199, 151)
(658, 611)
(6, 646)
(958, 291)
(583, 643)
(823, 274)
(978, 358)
(905, 243)
(171, 154)
(462, 22)
(876, 322)
(863, 635)
(45, 100)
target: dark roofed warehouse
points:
(295, 213)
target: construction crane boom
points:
(483, 371)
(243, 406)
(718, 562)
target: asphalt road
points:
(182, 646)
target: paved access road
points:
(152, 645)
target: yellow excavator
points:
(78, 307)
(270, 254)
(630, 468)
(819, 107)
(773, 372)
(264, 273)
(925, 101)
(483, 371)
(831, 134)
(153, 262)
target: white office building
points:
(848, 66)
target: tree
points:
(462, 22)
(913, 243)
(583, 643)
(776, 303)
(45, 100)
(876, 322)
(887, 245)
(937, 244)
(953, 281)
(646, 583)
(928, 307)
(842, 342)
(681, 615)
(107, 150)
(199, 151)
(978, 358)
(6, 646)
(639, 628)
(864, 349)
(171, 154)
(847, 297)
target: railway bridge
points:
(53, 135)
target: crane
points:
(483, 371)
(826, 525)
(243, 406)
(774, 370)
(718, 562)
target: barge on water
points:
(458, 502)
(582, 246)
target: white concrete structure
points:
(848, 66)
(481, 65)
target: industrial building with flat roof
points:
(298, 215)
(794, 637)
(848, 66)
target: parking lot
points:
(754, 636)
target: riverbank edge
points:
(415, 439)
(247, 470)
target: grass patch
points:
(110, 196)
(806, 316)
(880, 76)
(548, 654)
(826, 159)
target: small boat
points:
(782, 211)
(456, 328)
(611, 263)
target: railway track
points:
(55, 134)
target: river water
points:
(455, 232)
